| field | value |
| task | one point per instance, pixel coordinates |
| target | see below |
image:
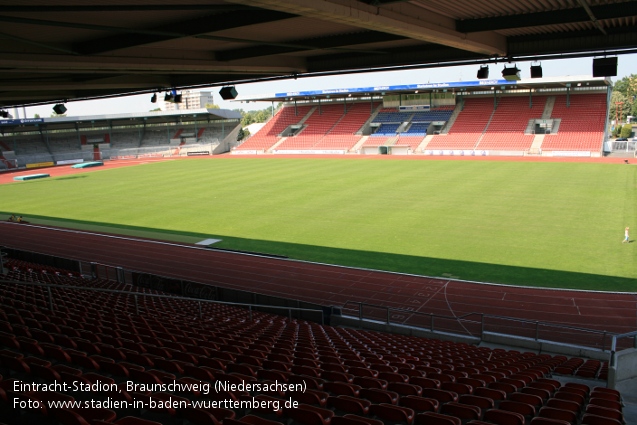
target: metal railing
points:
(251, 307)
(477, 324)
(617, 337)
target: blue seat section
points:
(390, 121)
(417, 129)
(387, 130)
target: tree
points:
(251, 117)
(155, 110)
(626, 130)
(627, 86)
(212, 106)
(244, 133)
(618, 100)
(36, 116)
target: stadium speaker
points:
(605, 67)
(177, 98)
(536, 71)
(59, 109)
(168, 97)
(228, 93)
(511, 74)
(153, 98)
(483, 72)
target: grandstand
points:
(131, 343)
(66, 140)
(556, 117)
(539, 118)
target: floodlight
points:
(228, 93)
(59, 109)
(605, 67)
(536, 71)
(483, 72)
(511, 74)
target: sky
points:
(627, 65)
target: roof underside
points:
(72, 49)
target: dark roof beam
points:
(37, 44)
(189, 28)
(130, 31)
(555, 17)
(126, 8)
(333, 42)
(588, 43)
(591, 15)
(405, 19)
(380, 2)
(423, 56)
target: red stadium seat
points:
(309, 415)
(348, 404)
(391, 413)
(503, 417)
(432, 418)
(419, 404)
(461, 411)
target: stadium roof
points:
(54, 50)
(455, 86)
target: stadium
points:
(421, 253)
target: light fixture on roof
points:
(228, 93)
(153, 98)
(4, 114)
(177, 98)
(511, 74)
(59, 109)
(483, 72)
(536, 71)
(168, 97)
(605, 67)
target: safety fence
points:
(477, 324)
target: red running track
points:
(333, 285)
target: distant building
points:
(190, 99)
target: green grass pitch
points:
(529, 223)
